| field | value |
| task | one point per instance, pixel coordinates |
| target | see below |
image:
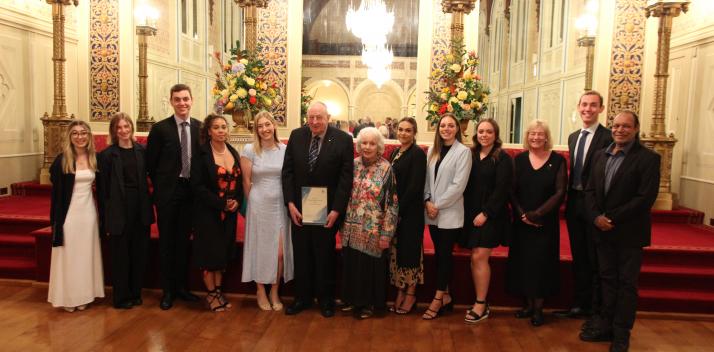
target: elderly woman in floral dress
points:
(370, 223)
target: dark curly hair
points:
(207, 123)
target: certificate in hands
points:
(314, 205)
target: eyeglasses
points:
(75, 134)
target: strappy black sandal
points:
(401, 311)
(222, 298)
(430, 314)
(472, 317)
(211, 297)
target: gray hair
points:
(371, 132)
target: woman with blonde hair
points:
(539, 186)
(125, 210)
(76, 277)
(267, 249)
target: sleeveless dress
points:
(76, 276)
(266, 222)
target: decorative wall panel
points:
(628, 45)
(104, 58)
(166, 25)
(273, 40)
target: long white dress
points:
(267, 220)
(76, 276)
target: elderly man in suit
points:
(582, 145)
(621, 190)
(170, 144)
(317, 155)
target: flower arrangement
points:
(457, 88)
(305, 100)
(240, 85)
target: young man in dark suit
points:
(622, 188)
(317, 155)
(582, 145)
(170, 145)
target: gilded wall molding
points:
(273, 41)
(626, 66)
(104, 59)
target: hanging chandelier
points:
(371, 22)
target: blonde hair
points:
(438, 141)
(69, 155)
(538, 124)
(114, 123)
(256, 138)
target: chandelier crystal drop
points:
(371, 23)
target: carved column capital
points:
(463, 6)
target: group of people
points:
(478, 197)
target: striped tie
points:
(314, 151)
(185, 160)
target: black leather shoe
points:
(595, 335)
(575, 312)
(537, 318)
(524, 313)
(167, 301)
(296, 307)
(123, 305)
(327, 309)
(187, 296)
(620, 346)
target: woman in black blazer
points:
(125, 210)
(486, 217)
(406, 267)
(216, 186)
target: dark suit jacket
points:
(112, 201)
(632, 193)
(207, 205)
(333, 169)
(601, 139)
(163, 156)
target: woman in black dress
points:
(539, 188)
(406, 268)
(486, 217)
(125, 208)
(216, 186)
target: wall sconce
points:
(146, 17)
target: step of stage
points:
(17, 268)
(31, 188)
(17, 245)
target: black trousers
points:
(174, 220)
(314, 263)
(129, 251)
(582, 247)
(619, 272)
(444, 240)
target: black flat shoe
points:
(620, 346)
(297, 307)
(575, 312)
(524, 313)
(595, 335)
(187, 296)
(537, 318)
(167, 301)
(124, 305)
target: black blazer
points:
(333, 168)
(410, 173)
(207, 205)
(632, 193)
(601, 139)
(112, 196)
(489, 191)
(163, 156)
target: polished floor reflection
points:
(29, 323)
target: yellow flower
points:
(243, 61)
(484, 98)
(241, 92)
(434, 107)
(453, 100)
(267, 102)
(443, 96)
(462, 95)
(476, 105)
(250, 81)
(467, 75)
(449, 57)
(233, 97)
(445, 90)
(455, 67)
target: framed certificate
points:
(314, 205)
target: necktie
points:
(579, 159)
(314, 151)
(185, 160)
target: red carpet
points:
(677, 273)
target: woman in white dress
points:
(267, 249)
(76, 277)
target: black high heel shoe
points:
(430, 314)
(401, 311)
(449, 307)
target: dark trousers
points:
(582, 247)
(129, 251)
(443, 240)
(314, 263)
(174, 220)
(619, 271)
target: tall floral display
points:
(240, 88)
(457, 88)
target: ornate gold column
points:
(589, 43)
(250, 12)
(143, 121)
(457, 9)
(657, 138)
(56, 124)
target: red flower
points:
(443, 108)
(252, 100)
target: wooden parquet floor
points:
(29, 323)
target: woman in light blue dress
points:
(267, 250)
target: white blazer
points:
(447, 190)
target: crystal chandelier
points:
(371, 22)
